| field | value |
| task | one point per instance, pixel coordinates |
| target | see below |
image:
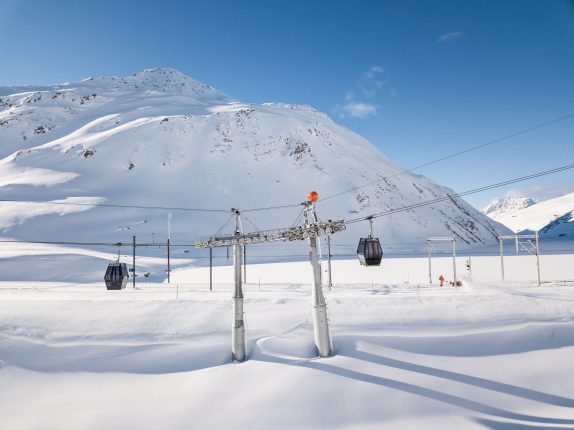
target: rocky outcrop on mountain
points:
(162, 139)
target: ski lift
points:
(116, 276)
(369, 250)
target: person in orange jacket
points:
(441, 279)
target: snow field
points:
(485, 355)
(396, 270)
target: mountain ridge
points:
(508, 204)
(553, 218)
(163, 138)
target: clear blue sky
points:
(419, 79)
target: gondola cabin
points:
(116, 276)
(369, 251)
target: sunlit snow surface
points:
(160, 138)
(407, 354)
(553, 218)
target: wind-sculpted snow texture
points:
(160, 138)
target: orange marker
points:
(313, 196)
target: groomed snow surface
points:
(408, 355)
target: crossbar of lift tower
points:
(310, 230)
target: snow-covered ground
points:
(409, 355)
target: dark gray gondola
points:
(116, 276)
(369, 251)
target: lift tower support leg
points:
(320, 320)
(238, 329)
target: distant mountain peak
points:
(170, 76)
(160, 79)
(508, 204)
(553, 218)
(161, 71)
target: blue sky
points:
(419, 79)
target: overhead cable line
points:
(47, 242)
(106, 205)
(456, 154)
(267, 208)
(464, 193)
(107, 244)
(165, 208)
(351, 221)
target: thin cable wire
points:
(456, 154)
(118, 206)
(299, 217)
(48, 242)
(464, 193)
(105, 205)
(224, 225)
(257, 229)
(268, 208)
(351, 221)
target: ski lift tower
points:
(430, 240)
(523, 243)
(310, 230)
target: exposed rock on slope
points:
(160, 138)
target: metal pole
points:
(134, 262)
(454, 258)
(320, 321)
(501, 240)
(329, 261)
(244, 264)
(537, 256)
(210, 268)
(238, 329)
(168, 247)
(429, 247)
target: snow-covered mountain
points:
(507, 205)
(553, 218)
(160, 138)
